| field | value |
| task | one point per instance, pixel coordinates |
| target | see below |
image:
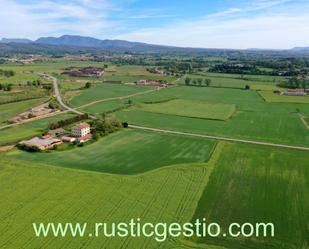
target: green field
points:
(8, 111)
(190, 108)
(269, 96)
(104, 91)
(259, 184)
(127, 152)
(20, 132)
(255, 119)
(106, 106)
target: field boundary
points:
(228, 139)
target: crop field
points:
(103, 91)
(106, 106)
(15, 96)
(8, 111)
(235, 81)
(258, 184)
(190, 108)
(127, 152)
(269, 96)
(255, 119)
(47, 194)
(27, 130)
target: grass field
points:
(103, 91)
(269, 96)
(255, 119)
(8, 111)
(103, 107)
(259, 184)
(27, 130)
(190, 108)
(38, 193)
(127, 152)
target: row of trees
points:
(34, 83)
(294, 83)
(197, 82)
(7, 73)
(6, 87)
(64, 122)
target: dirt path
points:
(219, 138)
(33, 119)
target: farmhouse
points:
(80, 130)
(295, 92)
(42, 144)
(151, 83)
(85, 72)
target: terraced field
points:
(127, 152)
(190, 108)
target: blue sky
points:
(195, 23)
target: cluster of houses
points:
(85, 72)
(80, 133)
(294, 92)
(33, 112)
(151, 83)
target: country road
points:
(219, 138)
(58, 95)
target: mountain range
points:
(73, 44)
(90, 42)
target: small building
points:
(42, 144)
(295, 92)
(80, 130)
(54, 133)
(68, 138)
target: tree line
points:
(64, 122)
(197, 82)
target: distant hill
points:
(15, 40)
(89, 42)
(300, 49)
(73, 44)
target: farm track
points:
(34, 119)
(118, 98)
(228, 139)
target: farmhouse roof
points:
(81, 126)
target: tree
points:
(207, 82)
(200, 81)
(87, 85)
(187, 81)
(247, 87)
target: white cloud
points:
(45, 18)
(235, 28)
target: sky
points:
(239, 24)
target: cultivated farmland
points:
(195, 109)
(257, 184)
(128, 152)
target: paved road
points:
(220, 138)
(58, 95)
